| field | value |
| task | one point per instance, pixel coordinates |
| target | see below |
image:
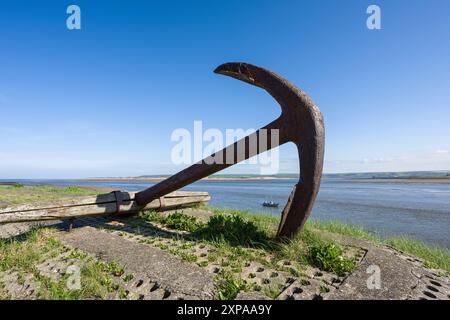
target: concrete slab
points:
(15, 229)
(386, 274)
(150, 265)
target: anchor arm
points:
(301, 122)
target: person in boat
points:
(270, 204)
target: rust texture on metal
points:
(300, 122)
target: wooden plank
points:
(61, 213)
(99, 199)
(186, 194)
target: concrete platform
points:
(152, 267)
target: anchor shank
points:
(261, 140)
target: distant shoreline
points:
(204, 179)
(443, 180)
(436, 180)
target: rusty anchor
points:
(300, 122)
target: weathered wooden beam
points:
(99, 199)
(103, 204)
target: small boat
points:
(270, 204)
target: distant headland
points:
(384, 177)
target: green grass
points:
(176, 220)
(343, 229)
(313, 235)
(96, 283)
(234, 230)
(151, 216)
(237, 238)
(229, 285)
(264, 222)
(71, 190)
(244, 228)
(434, 257)
(23, 254)
(329, 257)
(20, 194)
(240, 238)
(181, 221)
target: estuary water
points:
(418, 210)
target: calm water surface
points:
(421, 211)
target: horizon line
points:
(231, 174)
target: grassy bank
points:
(239, 238)
(25, 259)
(233, 244)
(20, 194)
(235, 227)
(236, 242)
(434, 256)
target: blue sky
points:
(104, 100)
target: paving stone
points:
(15, 229)
(149, 264)
(18, 287)
(251, 296)
(302, 290)
(400, 277)
(3, 204)
(161, 275)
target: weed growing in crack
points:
(328, 257)
(229, 285)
